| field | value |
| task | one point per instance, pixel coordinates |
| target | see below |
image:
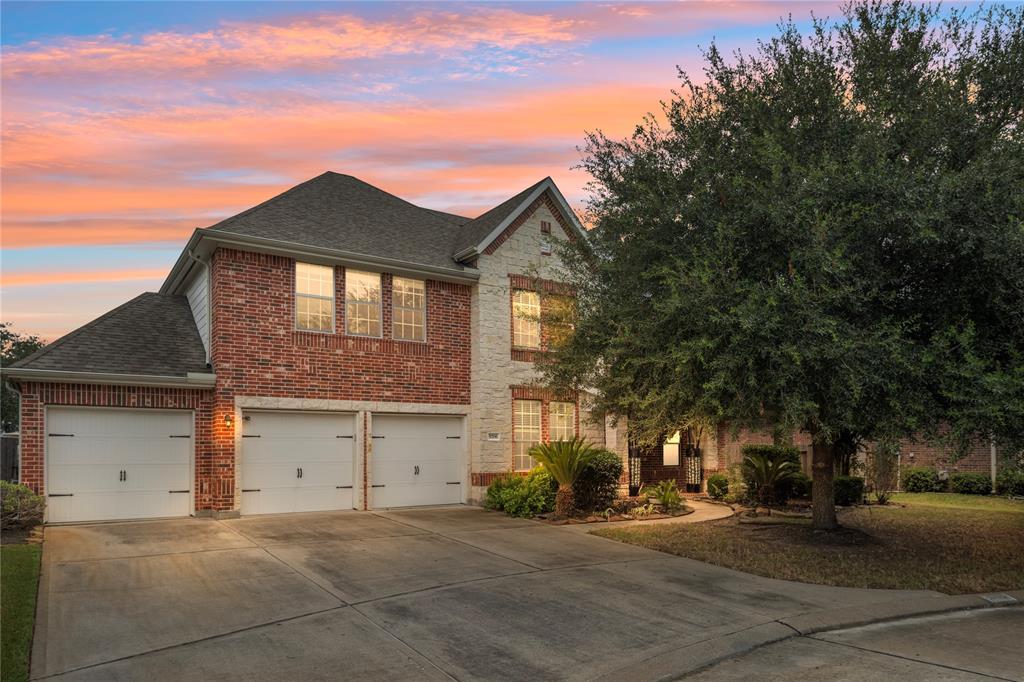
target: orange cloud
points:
(303, 41)
(28, 233)
(23, 279)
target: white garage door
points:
(297, 461)
(416, 460)
(117, 464)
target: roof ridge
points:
(273, 198)
(75, 332)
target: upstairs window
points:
(561, 420)
(314, 297)
(525, 319)
(525, 432)
(409, 309)
(362, 303)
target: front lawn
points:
(950, 543)
(19, 580)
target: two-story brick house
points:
(335, 347)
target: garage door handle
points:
(377, 485)
(454, 483)
(177, 491)
(342, 487)
(124, 475)
(298, 472)
(61, 495)
(250, 490)
(61, 435)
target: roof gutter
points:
(204, 238)
(189, 380)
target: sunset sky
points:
(127, 125)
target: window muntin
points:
(409, 309)
(525, 432)
(561, 420)
(525, 319)
(314, 297)
(362, 303)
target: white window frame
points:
(524, 434)
(525, 319)
(670, 450)
(349, 302)
(565, 410)
(323, 270)
(396, 308)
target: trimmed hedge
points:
(1010, 482)
(848, 490)
(523, 496)
(922, 480)
(967, 483)
(20, 506)
(598, 484)
(718, 486)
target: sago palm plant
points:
(564, 460)
(766, 473)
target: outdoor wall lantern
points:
(228, 419)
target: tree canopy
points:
(13, 347)
(826, 235)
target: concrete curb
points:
(673, 664)
(855, 616)
(682, 661)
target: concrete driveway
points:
(429, 593)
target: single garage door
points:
(297, 461)
(416, 460)
(104, 464)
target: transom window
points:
(525, 432)
(314, 297)
(525, 319)
(561, 420)
(362, 303)
(409, 309)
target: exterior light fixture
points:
(228, 419)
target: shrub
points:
(1010, 482)
(967, 483)
(782, 488)
(20, 507)
(667, 493)
(736, 484)
(524, 496)
(882, 469)
(800, 486)
(766, 476)
(598, 484)
(848, 490)
(565, 460)
(922, 480)
(718, 486)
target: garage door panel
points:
(320, 444)
(416, 460)
(87, 449)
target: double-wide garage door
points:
(106, 464)
(297, 461)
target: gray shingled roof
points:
(474, 231)
(338, 211)
(153, 334)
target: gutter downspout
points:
(992, 455)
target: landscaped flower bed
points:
(623, 509)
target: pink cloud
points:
(22, 279)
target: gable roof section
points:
(484, 233)
(340, 212)
(151, 335)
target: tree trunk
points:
(823, 502)
(564, 501)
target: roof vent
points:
(545, 227)
(545, 249)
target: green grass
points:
(925, 545)
(982, 502)
(19, 581)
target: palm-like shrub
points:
(766, 474)
(564, 460)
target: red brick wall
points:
(35, 396)
(257, 351)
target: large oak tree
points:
(826, 235)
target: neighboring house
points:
(335, 347)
